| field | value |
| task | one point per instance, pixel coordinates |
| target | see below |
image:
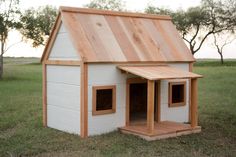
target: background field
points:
(22, 134)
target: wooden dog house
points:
(104, 70)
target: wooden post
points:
(44, 95)
(194, 112)
(127, 104)
(150, 105)
(84, 100)
(158, 101)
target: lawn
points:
(22, 134)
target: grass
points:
(22, 134)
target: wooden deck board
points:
(164, 129)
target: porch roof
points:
(158, 72)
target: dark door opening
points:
(138, 102)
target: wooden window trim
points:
(94, 98)
(170, 104)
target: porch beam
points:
(150, 105)
(194, 112)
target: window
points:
(177, 94)
(104, 100)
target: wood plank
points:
(194, 97)
(121, 37)
(152, 46)
(158, 39)
(107, 37)
(79, 38)
(143, 52)
(84, 101)
(44, 95)
(150, 106)
(114, 13)
(158, 101)
(62, 62)
(95, 41)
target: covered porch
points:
(153, 128)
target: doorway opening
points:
(138, 102)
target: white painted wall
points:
(177, 114)
(106, 74)
(63, 48)
(63, 98)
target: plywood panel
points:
(63, 74)
(63, 95)
(63, 119)
(105, 74)
(176, 114)
(63, 48)
(105, 123)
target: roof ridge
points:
(113, 13)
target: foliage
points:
(117, 5)
(9, 11)
(22, 133)
(197, 23)
(37, 24)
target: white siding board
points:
(63, 74)
(63, 119)
(63, 95)
(63, 48)
(102, 75)
(63, 98)
(182, 66)
(105, 123)
(176, 114)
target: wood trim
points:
(102, 112)
(194, 97)
(136, 80)
(113, 13)
(44, 94)
(158, 93)
(190, 98)
(189, 91)
(190, 67)
(150, 105)
(52, 38)
(84, 100)
(62, 62)
(136, 62)
(170, 104)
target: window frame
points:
(170, 103)
(94, 99)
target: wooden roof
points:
(110, 36)
(159, 72)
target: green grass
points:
(22, 134)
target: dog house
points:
(107, 70)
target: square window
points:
(104, 100)
(177, 94)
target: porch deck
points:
(164, 129)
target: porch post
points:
(150, 105)
(194, 112)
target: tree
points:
(37, 24)
(196, 24)
(9, 13)
(117, 5)
(220, 41)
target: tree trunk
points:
(1, 60)
(221, 58)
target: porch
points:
(162, 130)
(153, 127)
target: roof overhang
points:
(159, 72)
